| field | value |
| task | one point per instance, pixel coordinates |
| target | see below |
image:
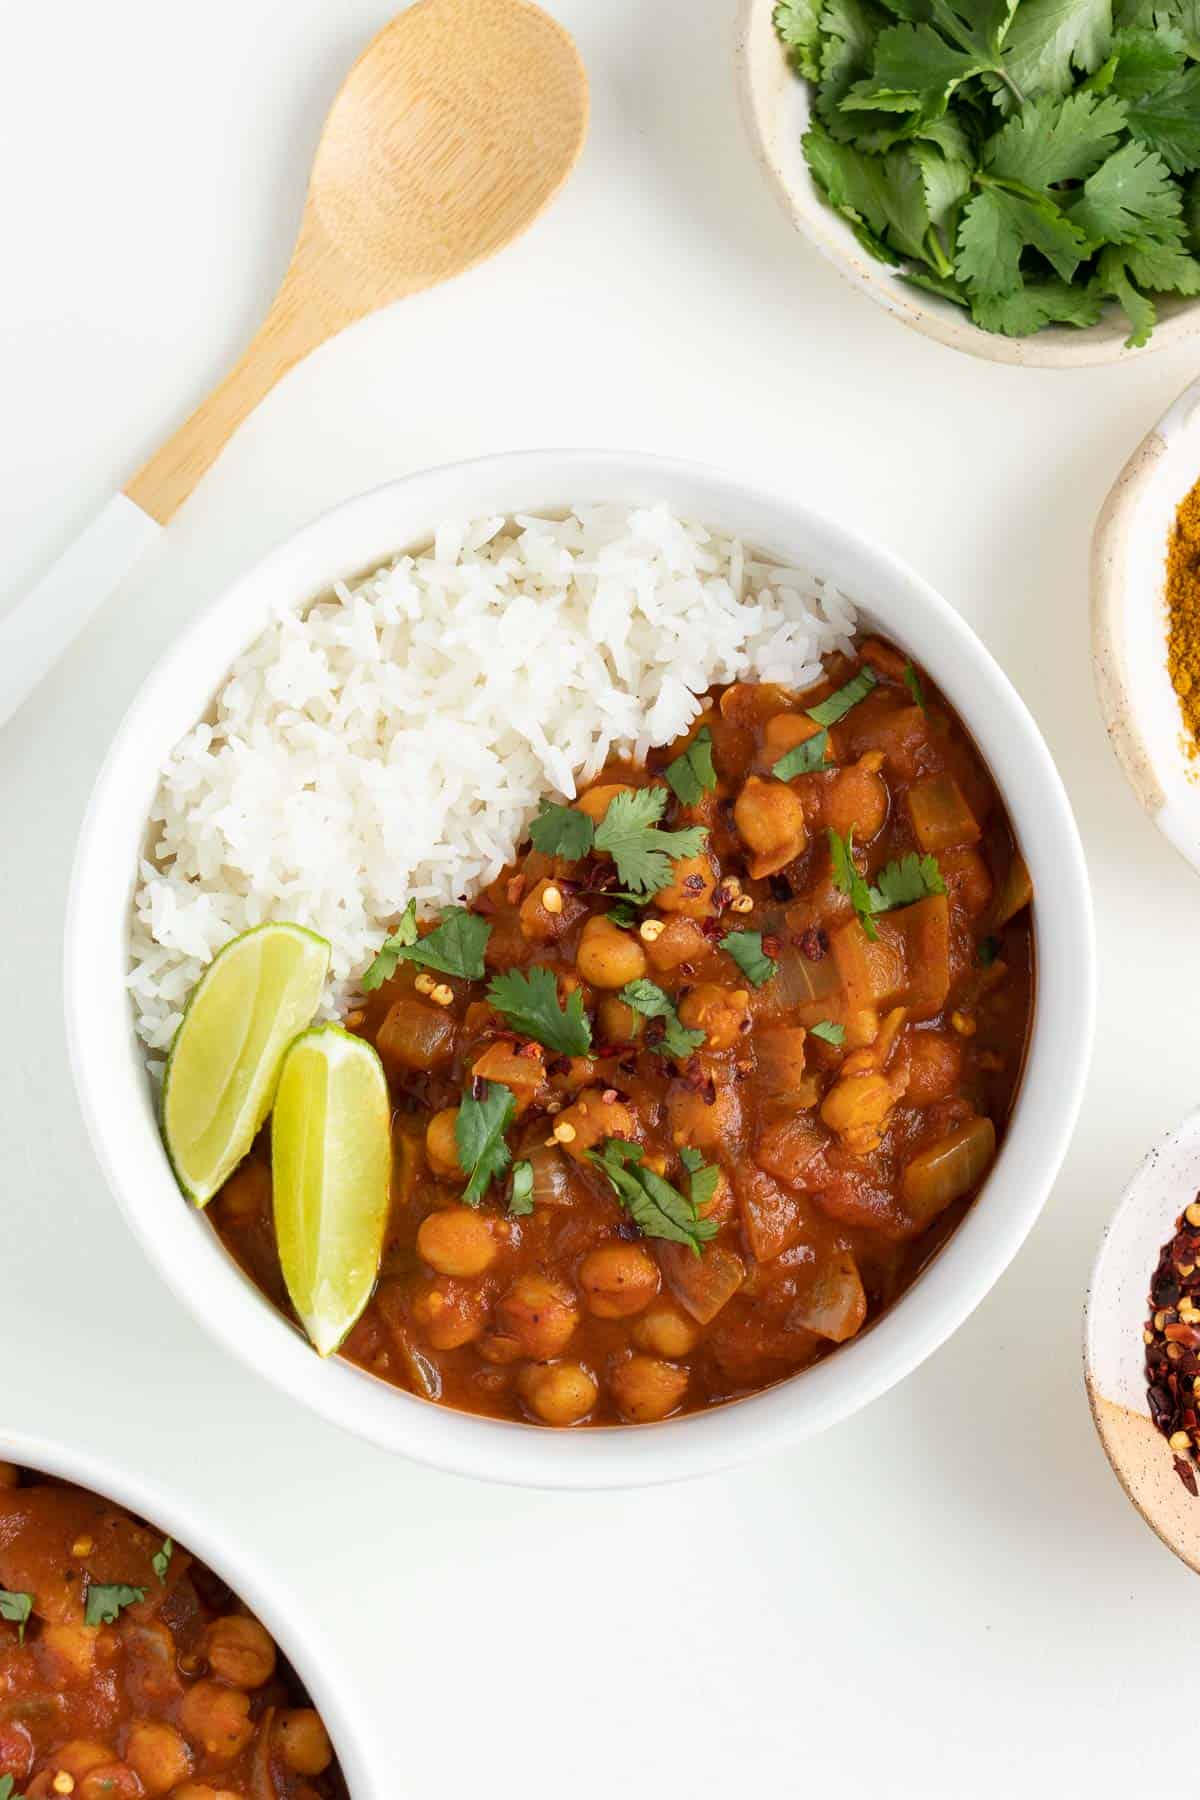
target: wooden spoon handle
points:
(289, 332)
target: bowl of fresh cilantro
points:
(1016, 178)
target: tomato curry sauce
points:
(798, 1055)
(128, 1669)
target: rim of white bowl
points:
(114, 1091)
(266, 1596)
(775, 109)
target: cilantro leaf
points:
(803, 759)
(642, 853)
(703, 1178)
(561, 831)
(520, 1191)
(692, 774)
(855, 185)
(107, 1600)
(479, 1132)
(746, 949)
(8, 1789)
(998, 225)
(160, 1562)
(1050, 39)
(848, 881)
(1035, 304)
(1052, 140)
(1112, 277)
(1141, 62)
(796, 21)
(903, 883)
(656, 1208)
(916, 70)
(1169, 121)
(647, 998)
(829, 711)
(16, 1607)
(388, 955)
(828, 1032)
(912, 682)
(529, 1001)
(1131, 197)
(455, 946)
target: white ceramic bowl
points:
(119, 1105)
(1113, 1352)
(273, 1603)
(776, 107)
(1129, 623)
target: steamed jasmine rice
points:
(394, 740)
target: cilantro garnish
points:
(746, 949)
(529, 1001)
(520, 1190)
(642, 853)
(8, 1789)
(479, 1132)
(703, 1177)
(656, 1208)
(828, 712)
(160, 1562)
(828, 1032)
(388, 955)
(561, 831)
(692, 774)
(1022, 158)
(803, 759)
(900, 883)
(913, 683)
(455, 946)
(106, 1601)
(647, 998)
(16, 1608)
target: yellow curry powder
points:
(1183, 614)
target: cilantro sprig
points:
(8, 1788)
(628, 832)
(656, 1208)
(828, 1032)
(107, 1600)
(1029, 160)
(16, 1607)
(692, 774)
(746, 949)
(647, 998)
(160, 1562)
(403, 938)
(529, 1001)
(520, 1190)
(479, 1132)
(455, 946)
(900, 883)
(562, 831)
(803, 759)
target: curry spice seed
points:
(1171, 1335)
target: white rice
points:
(393, 741)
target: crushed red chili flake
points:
(813, 944)
(1172, 1339)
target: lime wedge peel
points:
(256, 995)
(331, 1165)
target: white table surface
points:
(943, 1594)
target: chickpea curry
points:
(691, 1092)
(127, 1669)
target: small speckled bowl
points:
(1113, 1349)
(776, 106)
(1129, 642)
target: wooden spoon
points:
(453, 130)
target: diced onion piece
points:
(416, 1036)
(873, 974)
(554, 1178)
(940, 815)
(948, 1169)
(834, 1304)
(702, 1284)
(925, 931)
(1014, 892)
(522, 1075)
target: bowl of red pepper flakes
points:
(1142, 1341)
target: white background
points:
(950, 1590)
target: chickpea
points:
(67, 1652)
(618, 1023)
(665, 1331)
(441, 1145)
(303, 1741)
(691, 887)
(596, 801)
(770, 822)
(607, 956)
(449, 1314)
(457, 1241)
(158, 1754)
(934, 1066)
(721, 1013)
(217, 1718)
(857, 1108)
(240, 1650)
(110, 1781)
(581, 1126)
(540, 1313)
(680, 940)
(559, 1393)
(81, 1755)
(858, 799)
(646, 1389)
(547, 913)
(618, 1280)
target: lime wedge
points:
(252, 1000)
(331, 1164)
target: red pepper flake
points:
(813, 944)
(1172, 1343)
(770, 945)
